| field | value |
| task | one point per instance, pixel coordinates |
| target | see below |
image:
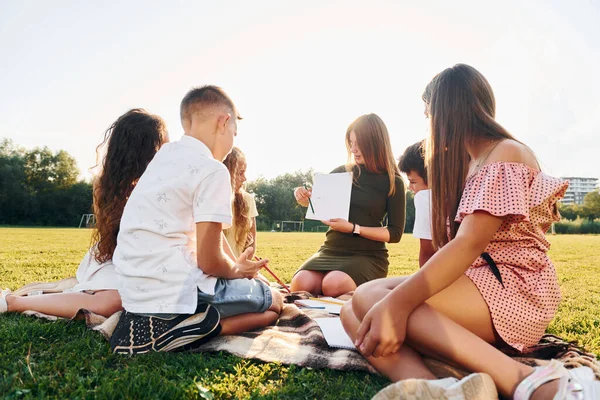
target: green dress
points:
(363, 259)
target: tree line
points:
(590, 209)
(41, 187)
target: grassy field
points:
(40, 359)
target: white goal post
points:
(297, 226)
(87, 221)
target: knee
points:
(337, 283)
(307, 281)
(347, 313)
(110, 303)
(277, 302)
(360, 301)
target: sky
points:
(299, 72)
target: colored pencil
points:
(274, 276)
(337, 303)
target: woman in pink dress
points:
(491, 284)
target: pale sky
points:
(299, 72)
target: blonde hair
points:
(241, 221)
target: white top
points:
(230, 234)
(422, 229)
(94, 276)
(155, 257)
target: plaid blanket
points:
(297, 339)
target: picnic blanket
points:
(297, 339)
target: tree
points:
(569, 211)
(275, 197)
(38, 187)
(591, 206)
(15, 196)
(45, 170)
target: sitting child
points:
(177, 282)
(413, 165)
(129, 145)
(242, 233)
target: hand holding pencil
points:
(245, 268)
(302, 195)
(265, 266)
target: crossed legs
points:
(454, 325)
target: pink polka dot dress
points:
(523, 305)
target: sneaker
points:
(574, 384)
(136, 334)
(474, 386)
(3, 303)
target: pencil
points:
(274, 276)
(309, 202)
(338, 303)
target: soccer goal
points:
(292, 226)
(319, 228)
(87, 221)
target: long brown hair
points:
(129, 143)
(233, 162)
(462, 109)
(373, 140)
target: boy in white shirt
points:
(413, 165)
(178, 281)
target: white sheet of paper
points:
(334, 333)
(330, 196)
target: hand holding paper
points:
(340, 225)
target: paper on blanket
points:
(334, 333)
(330, 196)
(317, 303)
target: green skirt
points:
(361, 266)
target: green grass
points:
(40, 359)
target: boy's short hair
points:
(203, 96)
(412, 160)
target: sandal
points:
(574, 384)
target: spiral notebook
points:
(334, 333)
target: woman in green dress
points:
(354, 251)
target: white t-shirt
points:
(94, 276)
(231, 233)
(155, 257)
(422, 228)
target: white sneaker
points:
(3, 303)
(474, 386)
(574, 384)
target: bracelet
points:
(353, 228)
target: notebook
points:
(329, 304)
(334, 333)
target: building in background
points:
(578, 188)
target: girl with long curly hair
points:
(129, 145)
(242, 233)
